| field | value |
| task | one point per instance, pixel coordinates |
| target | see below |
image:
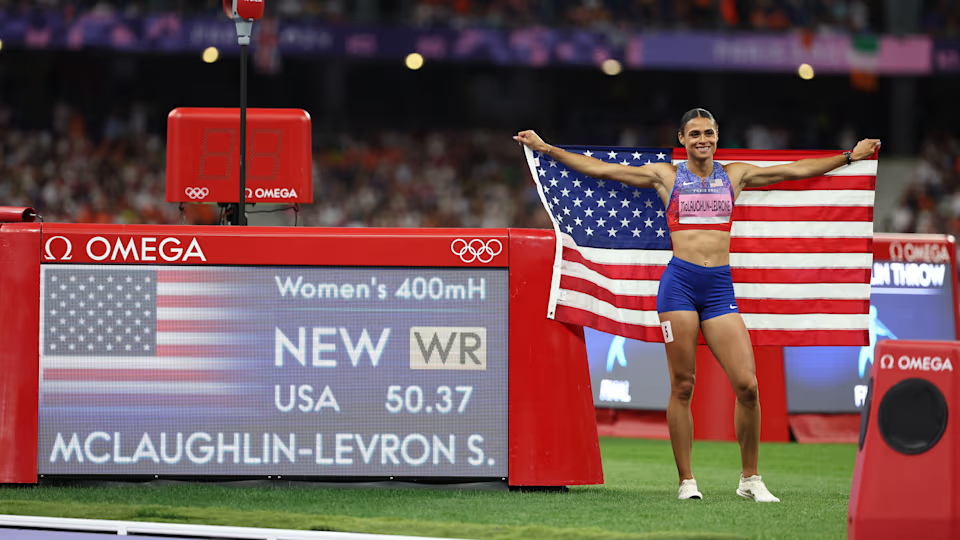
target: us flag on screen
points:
(800, 252)
(119, 336)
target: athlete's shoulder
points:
(734, 171)
(670, 173)
(665, 173)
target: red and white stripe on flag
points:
(800, 254)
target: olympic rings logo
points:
(476, 249)
(197, 193)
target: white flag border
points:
(533, 162)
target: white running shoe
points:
(752, 488)
(688, 490)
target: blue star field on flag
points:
(606, 214)
(100, 313)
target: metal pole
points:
(240, 215)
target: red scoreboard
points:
(175, 351)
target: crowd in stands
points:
(68, 176)
(439, 179)
(451, 179)
(939, 16)
(852, 15)
(472, 178)
(931, 203)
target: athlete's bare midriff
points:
(702, 248)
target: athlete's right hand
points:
(531, 140)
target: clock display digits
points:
(214, 142)
(264, 165)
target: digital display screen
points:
(255, 371)
(626, 373)
(908, 300)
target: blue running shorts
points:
(685, 286)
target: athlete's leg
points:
(728, 339)
(676, 308)
(684, 329)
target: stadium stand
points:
(90, 166)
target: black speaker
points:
(912, 416)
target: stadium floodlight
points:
(243, 13)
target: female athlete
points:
(696, 290)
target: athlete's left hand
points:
(864, 149)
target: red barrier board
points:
(253, 351)
(19, 313)
(551, 402)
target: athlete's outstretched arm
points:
(646, 176)
(753, 176)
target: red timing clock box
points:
(203, 162)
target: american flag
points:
(801, 251)
(116, 337)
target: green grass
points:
(637, 501)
